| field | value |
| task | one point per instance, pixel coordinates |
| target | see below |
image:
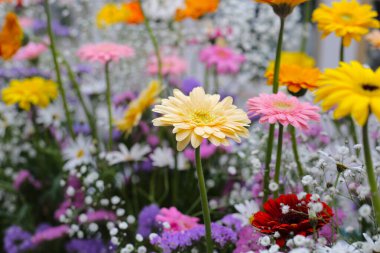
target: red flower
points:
(290, 216)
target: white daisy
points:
(246, 210)
(51, 116)
(78, 152)
(136, 153)
(162, 157)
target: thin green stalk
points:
(216, 81)
(203, 193)
(109, 104)
(53, 51)
(372, 179)
(206, 77)
(268, 159)
(277, 62)
(306, 22)
(301, 173)
(278, 157)
(341, 51)
(90, 118)
(155, 44)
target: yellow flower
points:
(10, 37)
(282, 7)
(348, 19)
(202, 116)
(350, 89)
(296, 72)
(374, 38)
(110, 14)
(137, 107)
(32, 91)
(195, 9)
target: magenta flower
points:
(176, 220)
(104, 52)
(50, 234)
(30, 51)
(171, 65)
(279, 108)
(224, 59)
(100, 215)
(24, 176)
(207, 150)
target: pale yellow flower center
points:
(346, 16)
(80, 153)
(202, 117)
(283, 105)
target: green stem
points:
(53, 51)
(216, 81)
(206, 77)
(277, 62)
(301, 173)
(306, 22)
(90, 119)
(203, 193)
(109, 104)
(341, 52)
(372, 179)
(155, 44)
(278, 157)
(268, 159)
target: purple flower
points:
(100, 215)
(147, 219)
(189, 84)
(207, 150)
(248, 240)
(82, 128)
(22, 73)
(123, 98)
(50, 234)
(16, 240)
(76, 200)
(39, 26)
(86, 246)
(181, 241)
(24, 177)
(232, 222)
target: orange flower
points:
(374, 38)
(10, 37)
(134, 14)
(282, 7)
(195, 9)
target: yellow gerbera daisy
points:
(11, 36)
(202, 116)
(296, 72)
(350, 89)
(348, 19)
(282, 7)
(110, 14)
(137, 107)
(32, 91)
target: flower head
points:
(11, 36)
(32, 91)
(195, 9)
(104, 52)
(176, 220)
(134, 14)
(301, 218)
(347, 19)
(110, 14)
(374, 38)
(136, 108)
(279, 108)
(202, 116)
(30, 51)
(16, 240)
(171, 65)
(350, 89)
(224, 59)
(50, 233)
(282, 7)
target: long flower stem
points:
(371, 174)
(216, 81)
(206, 79)
(277, 62)
(278, 157)
(109, 104)
(53, 51)
(301, 173)
(341, 51)
(90, 119)
(203, 193)
(268, 159)
(306, 22)
(155, 44)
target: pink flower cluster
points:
(30, 51)
(279, 108)
(24, 176)
(171, 65)
(223, 59)
(105, 52)
(176, 220)
(50, 234)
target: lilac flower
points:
(39, 26)
(207, 150)
(180, 241)
(147, 219)
(100, 215)
(122, 98)
(248, 240)
(23, 177)
(232, 222)
(17, 240)
(49, 234)
(21, 73)
(86, 246)
(82, 128)
(189, 84)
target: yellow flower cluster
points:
(195, 9)
(111, 14)
(137, 107)
(347, 19)
(11, 36)
(32, 91)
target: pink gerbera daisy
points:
(279, 108)
(176, 220)
(224, 59)
(104, 52)
(30, 51)
(171, 65)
